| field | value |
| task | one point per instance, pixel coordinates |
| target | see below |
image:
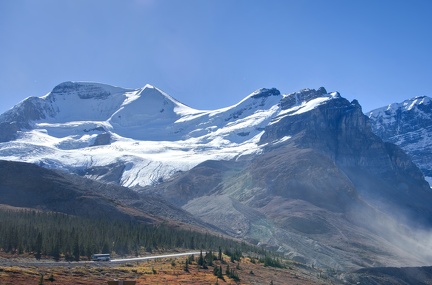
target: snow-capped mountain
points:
(143, 135)
(300, 172)
(409, 125)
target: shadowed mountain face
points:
(381, 173)
(391, 276)
(324, 191)
(31, 186)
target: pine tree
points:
(192, 243)
(216, 271)
(186, 268)
(106, 248)
(38, 246)
(220, 274)
(209, 258)
(76, 250)
(201, 259)
(56, 252)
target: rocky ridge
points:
(408, 125)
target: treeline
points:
(72, 238)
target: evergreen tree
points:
(106, 247)
(233, 275)
(38, 246)
(209, 258)
(68, 255)
(219, 273)
(192, 243)
(56, 252)
(55, 234)
(201, 259)
(216, 270)
(76, 250)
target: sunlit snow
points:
(150, 133)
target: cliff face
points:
(21, 117)
(408, 125)
(340, 130)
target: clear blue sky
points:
(211, 54)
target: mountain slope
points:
(324, 189)
(339, 130)
(31, 186)
(409, 125)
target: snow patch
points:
(281, 140)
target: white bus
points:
(101, 257)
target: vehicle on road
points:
(101, 257)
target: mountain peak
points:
(148, 113)
(416, 101)
(305, 95)
(265, 92)
(153, 92)
(407, 105)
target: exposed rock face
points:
(84, 91)
(8, 131)
(264, 92)
(408, 125)
(316, 191)
(339, 130)
(21, 116)
(102, 139)
(304, 95)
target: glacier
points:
(146, 134)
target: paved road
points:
(154, 257)
(49, 263)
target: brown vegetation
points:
(163, 271)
